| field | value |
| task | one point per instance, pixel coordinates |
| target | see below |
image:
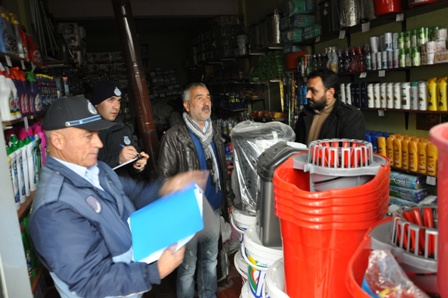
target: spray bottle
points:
(12, 161)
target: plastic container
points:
(275, 280)
(245, 291)
(383, 7)
(414, 3)
(322, 246)
(439, 136)
(241, 221)
(241, 265)
(258, 258)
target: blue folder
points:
(174, 218)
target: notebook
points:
(174, 218)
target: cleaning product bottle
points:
(12, 161)
(442, 94)
(390, 148)
(397, 153)
(381, 141)
(2, 33)
(421, 147)
(29, 147)
(15, 76)
(7, 105)
(14, 143)
(432, 94)
(405, 154)
(26, 174)
(35, 100)
(432, 158)
(413, 155)
(14, 94)
(37, 129)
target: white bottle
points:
(15, 96)
(12, 158)
(29, 147)
(14, 143)
(26, 175)
(6, 100)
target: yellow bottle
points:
(432, 94)
(413, 156)
(390, 148)
(431, 159)
(397, 153)
(441, 94)
(405, 154)
(381, 141)
(421, 147)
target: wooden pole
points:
(137, 80)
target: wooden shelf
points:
(24, 207)
(37, 278)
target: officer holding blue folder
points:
(79, 218)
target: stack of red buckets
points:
(322, 229)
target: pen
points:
(121, 145)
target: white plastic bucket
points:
(240, 265)
(259, 258)
(245, 292)
(240, 221)
(275, 280)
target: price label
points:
(363, 75)
(342, 34)
(23, 64)
(33, 67)
(399, 17)
(381, 73)
(365, 27)
(381, 113)
(431, 180)
(317, 39)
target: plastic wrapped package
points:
(386, 279)
(249, 140)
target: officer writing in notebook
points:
(118, 139)
(78, 220)
(326, 116)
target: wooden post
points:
(138, 87)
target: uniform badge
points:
(126, 140)
(92, 202)
(91, 108)
(117, 92)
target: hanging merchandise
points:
(16, 31)
(383, 7)
(9, 41)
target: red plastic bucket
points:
(439, 136)
(321, 246)
(387, 6)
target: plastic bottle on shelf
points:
(14, 143)
(7, 104)
(34, 99)
(15, 94)
(12, 161)
(422, 95)
(37, 129)
(432, 94)
(442, 94)
(25, 164)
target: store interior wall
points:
(167, 43)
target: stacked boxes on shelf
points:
(75, 36)
(164, 83)
(219, 41)
(299, 22)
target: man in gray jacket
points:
(79, 216)
(196, 144)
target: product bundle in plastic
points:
(249, 140)
(407, 180)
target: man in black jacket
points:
(326, 116)
(119, 147)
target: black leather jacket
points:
(178, 154)
(344, 121)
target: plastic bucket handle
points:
(235, 226)
(243, 253)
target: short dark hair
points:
(186, 92)
(329, 79)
